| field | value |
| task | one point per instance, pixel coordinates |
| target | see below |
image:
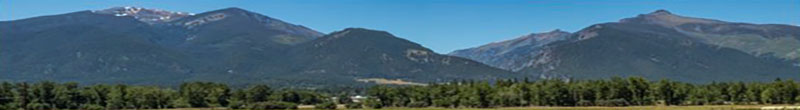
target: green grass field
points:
(707, 107)
(720, 107)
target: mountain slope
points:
(514, 54)
(229, 24)
(777, 40)
(654, 52)
(82, 46)
(235, 46)
(663, 45)
(124, 45)
(237, 40)
(356, 53)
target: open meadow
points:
(708, 107)
(705, 107)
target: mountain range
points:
(134, 45)
(657, 45)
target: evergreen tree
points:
(43, 96)
(96, 95)
(67, 96)
(116, 97)
(258, 93)
(6, 95)
(22, 95)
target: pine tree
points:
(22, 95)
(6, 95)
(43, 96)
(67, 96)
(116, 97)
(258, 93)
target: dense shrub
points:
(354, 105)
(92, 107)
(6, 107)
(613, 102)
(717, 102)
(272, 105)
(417, 104)
(179, 103)
(585, 103)
(325, 105)
(39, 106)
(236, 105)
(374, 104)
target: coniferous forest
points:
(462, 94)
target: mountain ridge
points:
(500, 54)
(642, 46)
(230, 45)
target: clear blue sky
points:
(442, 25)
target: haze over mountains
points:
(149, 46)
(655, 45)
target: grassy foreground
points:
(715, 107)
(705, 107)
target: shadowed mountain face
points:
(85, 46)
(150, 46)
(362, 53)
(663, 45)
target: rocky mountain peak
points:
(557, 31)
(665, 18)
(245, 18)
(660, 12)
(147, 15)
(356, 31)
(237, 10)
(233, 9)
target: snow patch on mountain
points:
(421, 56)
(206, 19)
(147, 15)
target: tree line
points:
(462, 94)
(613, 92)
(51, 95)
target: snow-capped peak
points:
(144, 14)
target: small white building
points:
(358, 98)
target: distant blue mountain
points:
(657, 45)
